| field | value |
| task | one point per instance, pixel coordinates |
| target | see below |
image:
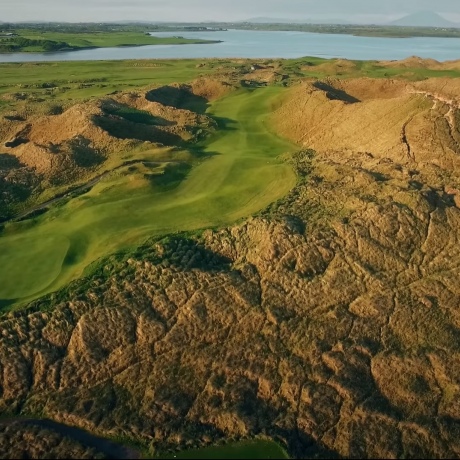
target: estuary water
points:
(264, 44)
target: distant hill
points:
(265, 20)
(418, 19)
(424, 19)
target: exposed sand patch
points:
(387, 118)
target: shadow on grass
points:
(335, 94)
(226, 124)
(173, 174)
(14, 118)
(253, 84)
(109, 448)
(180, 98)
(183, 252)
(128, 113)
(17, 183)
(83, 153)
(9, 162)
(5, 304)
(122, 129)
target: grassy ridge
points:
(80, 80)
(242, 176)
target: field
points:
(245, 449)
(358, 30)
(80, 80)
(391, 31)
(242, 175)
(92, 29)
(35, 41)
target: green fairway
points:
(246, 449)
(242, 176)
(48, 253)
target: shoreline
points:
(86, 48)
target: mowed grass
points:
(242, 175)
(20, 268)
(246, 449)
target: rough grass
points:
(80, 80)
(342, 68)
(242, 176)
(336, 324)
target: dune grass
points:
(311, 67)
(242, 175)
(81, 80)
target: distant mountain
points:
(424, 19)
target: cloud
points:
(222, 10)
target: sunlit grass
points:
(242, 175)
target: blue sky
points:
(219, 10)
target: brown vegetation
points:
(47, 138)
(75, 144)
(415, 62)
(335, 67)
(22, 441)
(329, 322)
(388, 118)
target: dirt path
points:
(452, 104)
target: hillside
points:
(327, 320)
(71, 145)
(423, 19)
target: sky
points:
(220, 10)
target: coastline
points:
(127, 45)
